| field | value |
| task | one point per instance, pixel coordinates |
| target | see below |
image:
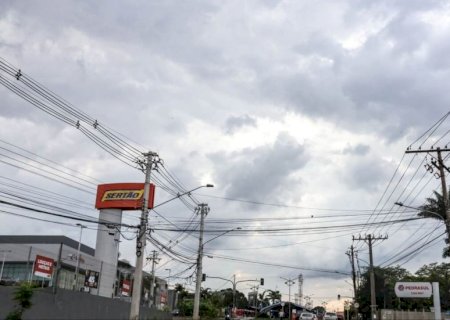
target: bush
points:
(22, 296)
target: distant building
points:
(18, 253)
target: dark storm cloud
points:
(261, 173)
(234, 123)
(368, 174)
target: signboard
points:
(126, 288)
(413, 289)
(43, 266)
(91, 279)
(125, 196)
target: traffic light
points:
(339, 297)
(203, 277)
(261, 281)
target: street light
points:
(75, 278)
(400, 204)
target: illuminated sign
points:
(125, 196)
(413, 289)
(43, 267)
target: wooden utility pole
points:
(439, 164)
(369, 239)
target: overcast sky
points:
(305, 106)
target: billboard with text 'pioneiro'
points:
(125, 196)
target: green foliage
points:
(22, 296)
(186, 308)
(208, 310)
(385, 279)
(435, 208)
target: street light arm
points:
(179, 195)
(220, 279)
(256, 280)
(238, 228)
(400, 204)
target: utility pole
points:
(203, 209)
(373, 303)
(140, 240)
(75, 276)
(151, 294)
(439, 164)
(351, 255)
(289, 282)
(300, 289)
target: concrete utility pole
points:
(439, 164)
(140, 241)
(351, 255)
(300, 288)
(75, 276)
(373, 303)
(203, 209)
(151, 294)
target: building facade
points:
(18, 254)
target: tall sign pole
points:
(140, 241)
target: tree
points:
(273, 296)
(385, 279)
(435, 208)
(437, 273)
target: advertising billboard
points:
(43, 267)
(125, 196)
(91, 279)
(126, 288)
(413, 289)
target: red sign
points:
(43, 266)
(125, 196)
(126, 288)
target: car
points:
(306, 316)
(6, 281)
(330, 316)
(175, 312)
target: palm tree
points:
(274, 295)
(436, 208)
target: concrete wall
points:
(386, 314)
(73, 305)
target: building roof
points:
(47, 239)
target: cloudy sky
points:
(299, 113)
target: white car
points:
(306, 316)
(330, 316)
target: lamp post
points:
(75, 278)
(152, 158)
(168, 278)
(289, 282)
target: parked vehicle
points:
(6, 281)
(306, 316)
(330, 316)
